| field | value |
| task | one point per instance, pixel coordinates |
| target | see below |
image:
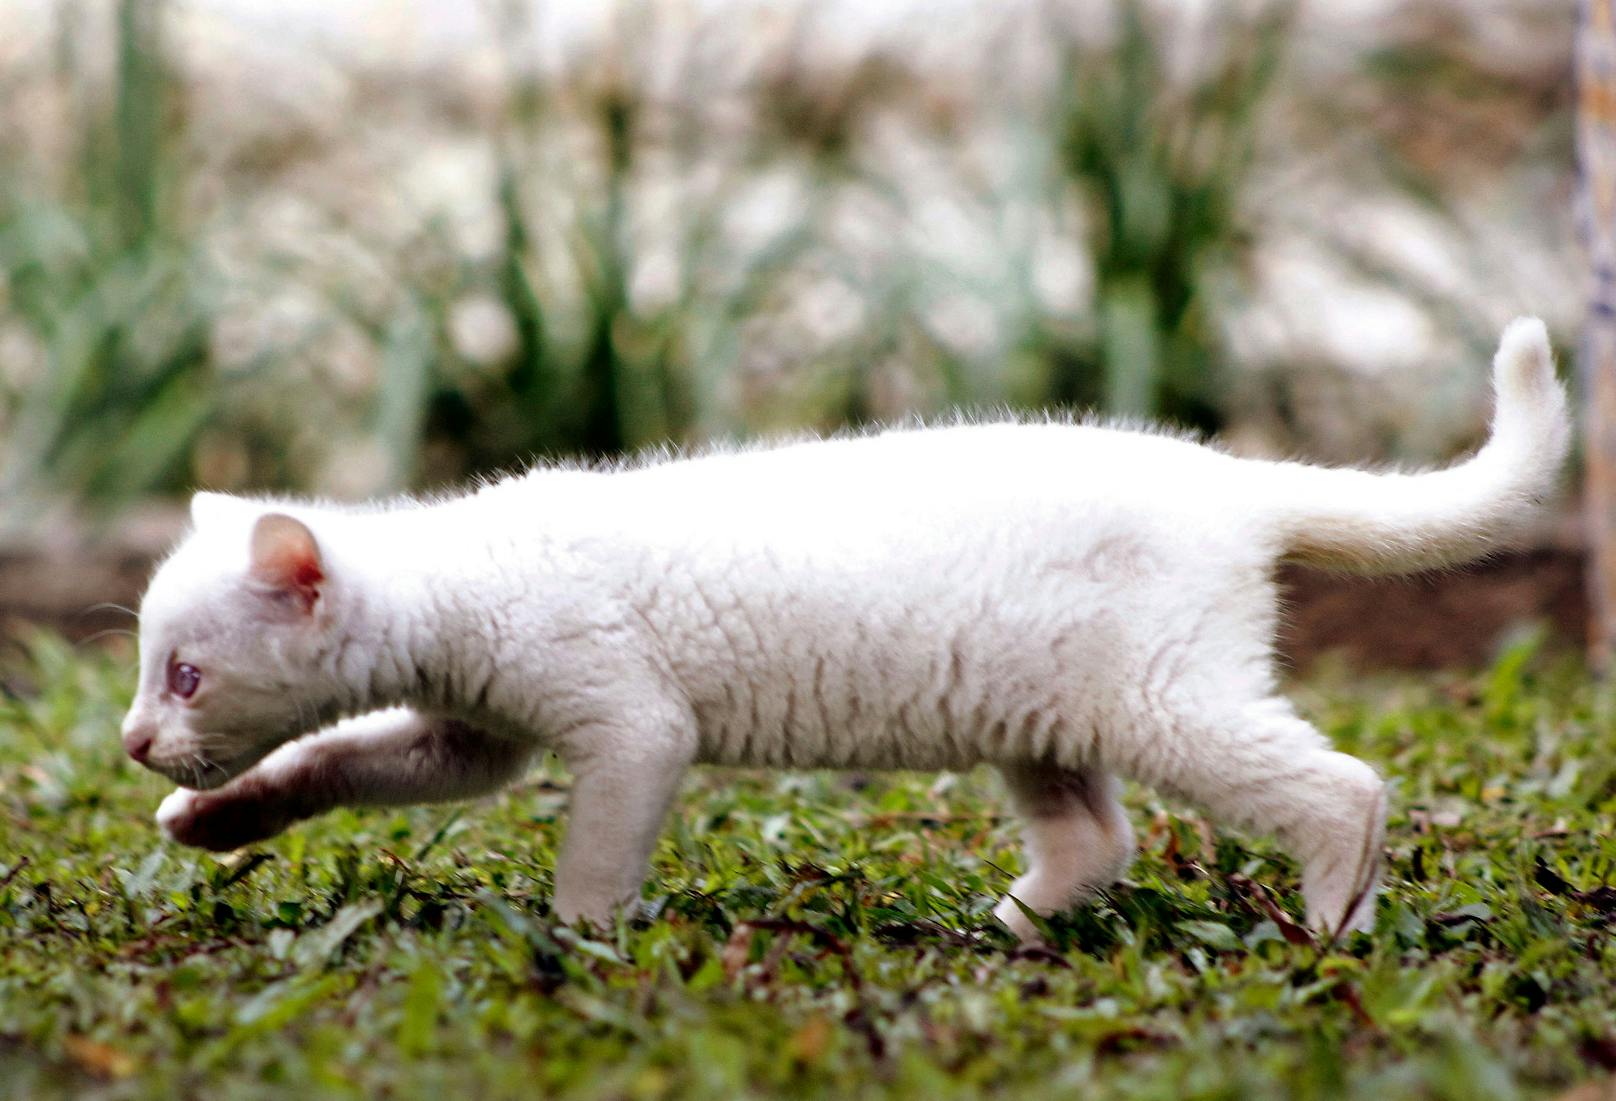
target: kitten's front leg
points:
(623, 782)
(388, 758)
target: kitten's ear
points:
(286, 558)
(208, 509)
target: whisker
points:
(104, 633)
(114, 607)
(306, 724)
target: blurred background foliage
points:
(423, 244)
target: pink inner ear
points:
(285, 555)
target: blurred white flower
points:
(355, 470)
(481, 330)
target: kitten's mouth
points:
(203, 773)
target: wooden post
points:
(1596, 145)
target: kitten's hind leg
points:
(1078, 839)
(1265, 767)
(383, 759)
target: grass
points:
(688, 236)
(816, 936)
(102, 276)
(704, 228)
(1163, 168)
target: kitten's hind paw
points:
(1014, 918)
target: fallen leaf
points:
(1602, 899)
(737, 950)
(1550, 880)
(1347, 994)
(1040, 952)
(1289, 929)
(1599, 1050)
(1132, 1038)
(808, 1043)
(101, 1060)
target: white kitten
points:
(1070, 604)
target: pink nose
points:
(137, 742)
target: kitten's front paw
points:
(219, 821)
(174, 814)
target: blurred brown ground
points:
(1451, 619)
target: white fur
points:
(1069, 603)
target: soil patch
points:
(1442, 619)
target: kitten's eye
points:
(183, 679)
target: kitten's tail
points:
(1394, 523)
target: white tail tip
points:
(1524, 355)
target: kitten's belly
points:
(937, 645)
(944, 684)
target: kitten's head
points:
(232, 628)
